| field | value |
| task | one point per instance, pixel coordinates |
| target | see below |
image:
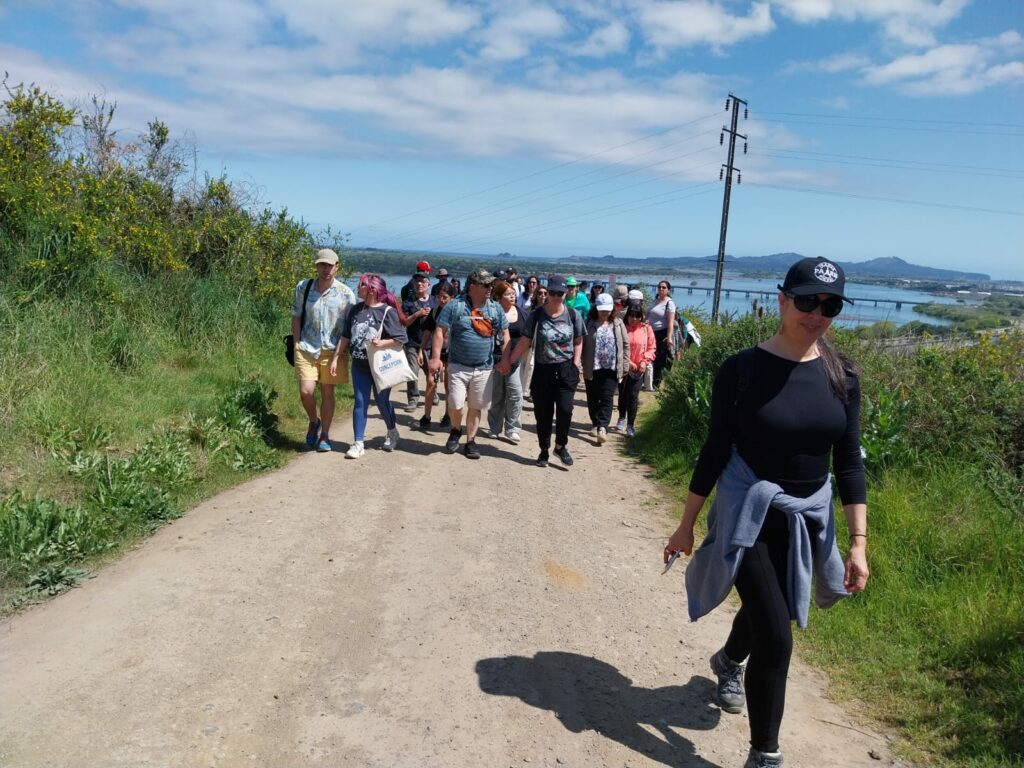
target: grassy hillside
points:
(935, 646)
(140, 363)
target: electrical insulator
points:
(744, 147)
(721, 173)
(739, 177)
(745, 113)
(726, 105)
(721, 138)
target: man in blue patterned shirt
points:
(327, 304)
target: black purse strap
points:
(305, 298)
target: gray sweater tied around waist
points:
(734, 521)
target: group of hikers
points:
(784, 423)
(493, 344)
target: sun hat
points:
(621, 292)
(814, 275)
(635, 295)
(570, 281)
(423, 266)
(325, 256)
(604, 301)
(556, 284)
(480, 277)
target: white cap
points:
(635, 295)
(604, 301)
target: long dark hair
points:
(838, 367)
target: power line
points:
(896, 160)
(902, 201)
(896, 128)
(543, 171)
(531, 195)
(893, 119)
(888, 165)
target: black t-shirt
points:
(415, 328)
(363, 324)
(789, 426)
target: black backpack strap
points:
(744, 373)
(305, 298)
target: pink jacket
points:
(642, 346)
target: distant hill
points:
(890, 267)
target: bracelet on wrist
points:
(862, 535)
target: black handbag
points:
(289, 340)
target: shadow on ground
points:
(588, 694)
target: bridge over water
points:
(754, 293)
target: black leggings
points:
(629, 397)
(762, 630)
(553, 388)
(662, 358)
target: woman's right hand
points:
(680, 541)
(334, 367)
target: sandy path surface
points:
(407, 609)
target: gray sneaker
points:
(391, 441)
(731, 697)
(758, 759)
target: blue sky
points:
(585, 127)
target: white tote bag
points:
(388, 365)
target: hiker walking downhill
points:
(556, 333)
(507, 398)
(662, 317)
(319, 310)
(605, 362)
(782, 413)
(471, 322)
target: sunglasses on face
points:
(556, 293)
(830, 307)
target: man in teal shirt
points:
(575, 298)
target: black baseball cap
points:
(811, 276)
(556, 284)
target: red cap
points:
(423, 266)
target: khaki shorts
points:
(469, 386)
(310, 368)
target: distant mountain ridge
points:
(884, 267)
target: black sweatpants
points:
(662, 358)
(629, 397)
(762, 630)
(601, 396)
(553, 388)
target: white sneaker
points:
(391, 441)
(355, 450)
(513, 437)
(602, 435)
(593, 431)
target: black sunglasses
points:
(830, 307)
(556, 293)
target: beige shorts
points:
(469, 386)
(310, 368)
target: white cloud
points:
(685, 23)
(952, 70)
(609, 39)
(912, 22)
(511, 35)
(839, 62)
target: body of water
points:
(873, 302)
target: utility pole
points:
(727, 169)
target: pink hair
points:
(377, 284)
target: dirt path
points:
(412, 609)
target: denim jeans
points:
(506, 403)
(362, 385)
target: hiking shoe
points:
(391, 441)
(563, 455)
(325, 445)
(452, 445)
(446, 421)
(425, 423)
(410, 406)
(602, 435)
(731, 697)
(621, 425)
(593, 431)
(472, 452)
(542, 459)
(355, 450)
(630, 432)
(312, 433)
(758, 759)
(513, 437)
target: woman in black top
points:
(789, 408)
(507, 398)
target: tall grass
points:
(935, 646)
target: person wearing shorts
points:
(470, 322)
(327, 304)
